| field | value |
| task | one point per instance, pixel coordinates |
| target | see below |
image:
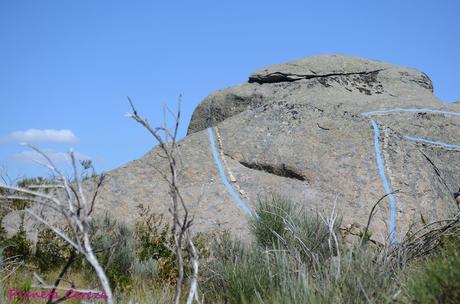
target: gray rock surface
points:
(329, 81)
(296, 129)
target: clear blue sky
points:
(69, 65)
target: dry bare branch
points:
(331, 222)
(68, 206)
(181, 221)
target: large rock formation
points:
(303, 130)
(330, 82)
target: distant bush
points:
(52, 251)
(115, 248)
(154, 243)
(145, 269)
(3, 234)
(142, 252)
(18, 246)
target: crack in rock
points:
(436, 170)
(279, 170)
(288, 77)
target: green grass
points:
(436, 279)
(289, 259)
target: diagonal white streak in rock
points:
(386, 184)
(409, 110)
(223, 177)
(432, 142)
(380, 163)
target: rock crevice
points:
(279, 170)
(277, 77)
(326, 81)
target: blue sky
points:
(67, 66)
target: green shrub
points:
(270, 225)
(308, 230)
(250, 273)
(154, 241)
(152, 235)
(145, 269)
(143, 252)
(290, 261)
(115, 249)
(3, 234)
(437, 279)
(365, 276)
(52, 252)
(18, 246)
(279, 223)
(276, 267)
(235, 272)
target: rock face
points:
(349, 83)
(310, 130)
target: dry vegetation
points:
(289, 261)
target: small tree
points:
(68, 199)
(181, 221)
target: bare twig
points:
(181, 221)
(331, 223)
(64, 270)
(96, 192)
(371, 215)
(70, 207)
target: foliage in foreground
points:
(136, 259)
(436, 279)
(290, 261)
(291, 258)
